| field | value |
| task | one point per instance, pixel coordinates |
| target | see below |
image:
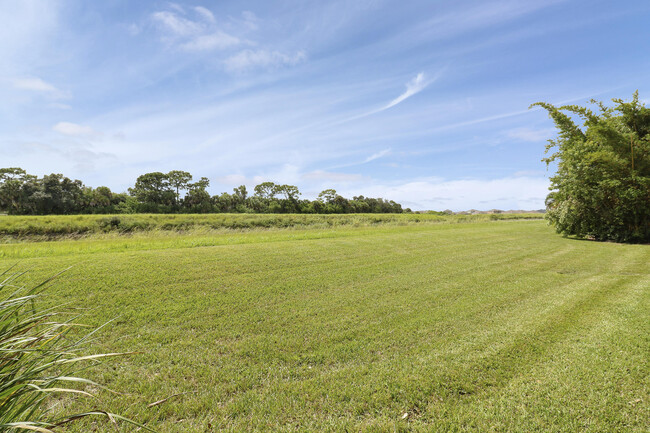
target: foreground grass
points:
(500, 326)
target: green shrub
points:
(602, 185)
(38, 355)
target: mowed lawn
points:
(494, 326)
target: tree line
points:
(174, 192)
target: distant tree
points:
(257, 204)
(197, 198)
(179, 180)
(602, 185)
(202, 184)
(153, 189)
(290, 201)
(22, 193)
(13, 191)
(97, 200)
(241, 193)
(266, 190)
(12, 173)
(55, 194)
(290, 192)
(327, 196)
(224, 202)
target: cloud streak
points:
(248, 59)
(74, 129)
(193, 34)
(38, 85)
(413, 87)
(376, 156)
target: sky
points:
(421, 102)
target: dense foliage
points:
(24, 194)
(602, 185)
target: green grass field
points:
(488, 326)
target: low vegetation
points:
(490, 326)
(29, 227)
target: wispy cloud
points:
(34, 84)
(74, 129)
(376, 155)
(81, 156)
(38, 85)
(59, 106)
(370, 158)
(416, 85)
(207, 15)
(176, 25)
(531, 135)
(250, 20)
(194, 33)
(217, 40)
(249, 59)
(331, 176)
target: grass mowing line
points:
(552, 325)
(591, 384)
(279, 288)
(517, 355)
(352, 343)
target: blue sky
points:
(422, 102)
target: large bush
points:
(602, 186)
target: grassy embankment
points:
(463, 327)
(30, 227)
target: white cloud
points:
(330, 176)
(35, 84)
(416, 85)
(249, 59)
(528, 173)
(217, 40)
(177, 7)
(531, 135)
(233, 179)
(73, 129)
(209, 16)
(133, 29)
(193, 34)
(60, 106)
(79, 156)
(176, 24)
(250, 20)
(377, 155)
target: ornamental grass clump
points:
(38, 360)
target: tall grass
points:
(57, 226)
(38, 360)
